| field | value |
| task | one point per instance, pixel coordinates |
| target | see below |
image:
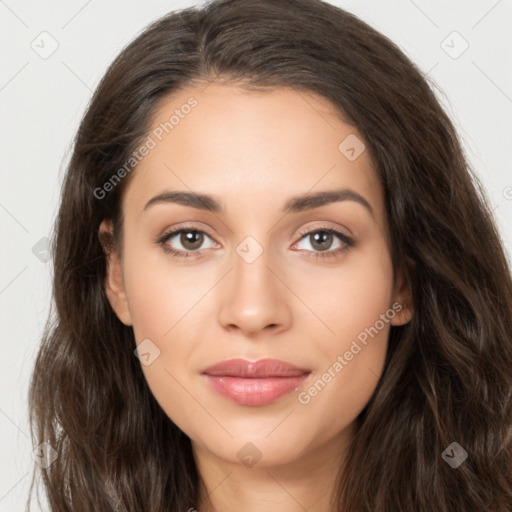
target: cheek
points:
(358, 312)
(350, 298)
(368, 288)
(158, 294)
(163, 302)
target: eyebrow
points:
(293, 205)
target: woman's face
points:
(250, 284)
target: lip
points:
(254, 382)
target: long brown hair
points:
(448, 374)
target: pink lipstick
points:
(254, 383)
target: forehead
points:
(251, 148)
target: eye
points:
(321, 239)
(191, 240)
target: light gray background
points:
(43, 99)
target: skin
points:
(253, 151)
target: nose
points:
(254, 298)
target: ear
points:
(402, 301)
(114, 282)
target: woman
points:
(337, 335)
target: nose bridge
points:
(251, 263)
(252, 260)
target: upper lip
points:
(255, 369)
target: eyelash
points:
(347, 241)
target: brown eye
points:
(188, 240)
(191, 240)
(321, 240)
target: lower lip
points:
(255, 391)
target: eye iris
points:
(191, 237)
(321, 236)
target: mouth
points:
(254, 383)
